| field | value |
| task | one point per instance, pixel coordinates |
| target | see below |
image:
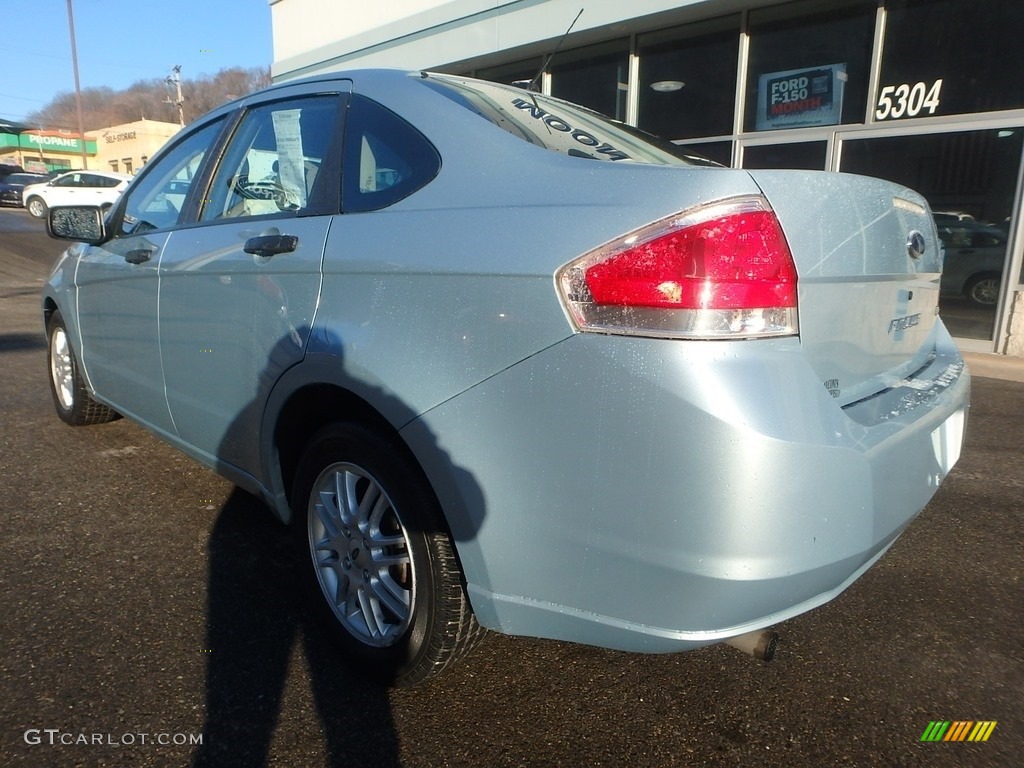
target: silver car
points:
(507, 364)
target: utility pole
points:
(78, 89)
(175, 79)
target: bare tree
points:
(103, 106)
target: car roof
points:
(108, 174)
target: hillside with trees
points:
(148, 99)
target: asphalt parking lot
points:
(147, 604)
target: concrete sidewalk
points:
(995, 366)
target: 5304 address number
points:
(908, 100)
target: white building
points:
(126, 148)
(924, 92)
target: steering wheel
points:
(265, 189)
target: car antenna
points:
(533, 83)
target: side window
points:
(156, 200)
(273, 160)
(71, 180)
(385, 158)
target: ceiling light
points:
(667, 86)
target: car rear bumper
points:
(651, 495)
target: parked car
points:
(975, 254)
(100, 188)
(11, 186)
(6, 169)
(505, 363)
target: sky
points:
(122, 41)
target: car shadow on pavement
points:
(18, 342)
(255, 618)
(264, 600)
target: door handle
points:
(138, 256)
(271, 245)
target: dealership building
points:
(923, 92)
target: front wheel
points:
(36, 207)
(382, 559)
(71, 398)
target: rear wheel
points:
(983, 289)
(36, 207)
(383, 564)
(74, 404)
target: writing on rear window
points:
(556, 123)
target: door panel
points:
(232, 321)
(118, 286)
(117, 313)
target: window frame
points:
(324, 198)
(385, 198)
(197, 188)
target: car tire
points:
(37, 207)
(71, 397)
(383, 564)
(983, 290)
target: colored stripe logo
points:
(958, 730)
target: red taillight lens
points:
(723, 270)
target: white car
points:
(100, 188)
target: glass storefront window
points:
(970, 181)
(806, 155)
(688, 79)
(719, 151)
(595, 77)
(950, 57)
(516, 72)
(808, 66)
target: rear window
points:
(560, 126)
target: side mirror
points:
(82, 223)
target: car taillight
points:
(719, 271)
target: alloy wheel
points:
(361, 553)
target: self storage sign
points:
(800, 97)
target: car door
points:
(238, 291)
(92, 190)
(117, 285)
(63, 191)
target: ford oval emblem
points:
(915, 244)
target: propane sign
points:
(800, 97)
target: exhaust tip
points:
(761, 644)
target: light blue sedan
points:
(507, 364)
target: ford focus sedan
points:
(503, 363)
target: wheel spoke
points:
(368, 505)
(341, 590)
(361, 553)
(348, 499)
(385, 559)
(328, 513)
(394, 597)
(371, 614)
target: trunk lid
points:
(868, 261)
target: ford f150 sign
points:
(800, 97)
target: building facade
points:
(40, 151)
(126, 148)
(923, 92)
(119, 148)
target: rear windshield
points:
(559, 125)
